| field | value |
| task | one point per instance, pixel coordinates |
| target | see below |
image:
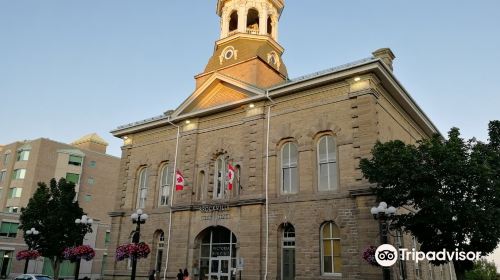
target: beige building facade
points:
(84, 162)
(299, 207)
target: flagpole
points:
(171, 198)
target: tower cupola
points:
(248, 47)
(257, 17)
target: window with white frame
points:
(15, 192)
(331, 257)
(289, 172)
(166, 179)
(19, 174)
(220, 177)
(23, 155)
(288, 253)
(142, 188)
(327, 164)
(159, 251)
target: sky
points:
(69, 68)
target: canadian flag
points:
(230, 176)
(179, 181)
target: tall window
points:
(289, 173)
(401, 263)
(107, 238)
(288, 253)
(330, 249)
(201, 185)
(2, 175)
(220, 177)
(23, 155)
(166, 178)
(327, 164)
(159, 251)
(233, 21)
(142, 188)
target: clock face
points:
(228, 54)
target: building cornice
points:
(336, 74)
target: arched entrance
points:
(217, 253)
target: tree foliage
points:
(483, 270)
(52, 211)
(451, 186)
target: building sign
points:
(214, 212)
(221, 251)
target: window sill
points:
(331, 276)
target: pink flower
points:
(369, 255)
(27, 255)
(132, 250)
(79, 252)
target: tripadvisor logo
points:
(386, 255)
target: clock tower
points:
(248, 48)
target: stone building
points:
(299, 208)
(85, 162)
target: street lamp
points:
(85, 221)
(137, 218)
(30, 234)
(382, 213)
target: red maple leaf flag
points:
(179, 181)
(230, 176)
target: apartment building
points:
(84, 162)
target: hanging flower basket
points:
(27, 255)
(125, 251)
(79, 252)
(369, 255)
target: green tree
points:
(483, 270)
(53, 210)
(451, 186)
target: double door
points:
(220, 268)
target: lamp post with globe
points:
(86, 222)
(139, 217)
(382, 213)
(31, 236)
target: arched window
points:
(289, 172)
(330, 249)
(288, 253)
(237, 181)
(142, 193)
(166, 179)
(220, 177)
(327, 164)
(201, 185)
(159, 250)
(269, 25)
(253, 21)
(233, 21)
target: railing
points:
(253, 31)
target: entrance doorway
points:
(217, 254)
(220, 268)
